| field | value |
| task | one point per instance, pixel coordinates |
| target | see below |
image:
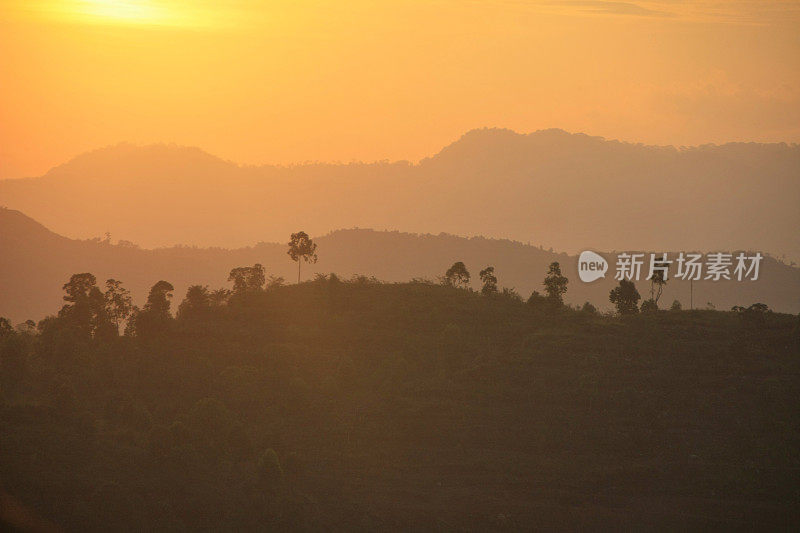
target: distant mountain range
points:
(568, 191)
(35, 263)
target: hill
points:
(550, 187)
(362, 406)
(36, 262)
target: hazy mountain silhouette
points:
(36, 262)
(568, 191)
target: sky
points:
(292, 81)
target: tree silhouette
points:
(85, 310)
(658, 280)
(649, 306)
(78, 287)
(6, 329)
(555, 284)
(489, 280)
(625, 297)
(457, 275)
(118, 302)
(754, 315)
(196, 304)
(301, 247)
(155, 318)
(158, 299)
(247, 279)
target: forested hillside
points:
(356, 405)
(35, 262)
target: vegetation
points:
(457, 276)
(555, 285)
(302, 248)
(489, 280)
(361, 405)
(625, 298)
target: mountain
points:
(35, 263)
(550, 187)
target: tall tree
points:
(302, 248)
(555, 284)
(457, 275)
(489, 280)
(658, 278)
(118, 302)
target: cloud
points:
(761, 12)
(615, 8)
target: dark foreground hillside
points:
(365, 406)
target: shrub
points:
(649, 306)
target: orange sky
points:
(290, 81)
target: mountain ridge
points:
(127, 147)
(551, 187)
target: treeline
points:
(91, 312)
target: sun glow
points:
(120, 12)
(123, 10)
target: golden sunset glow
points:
(117, 12)
(123, 10)
(291, 81)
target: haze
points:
(285, 82)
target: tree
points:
(274, 282)
(555, 284)
(511, 294)
(158, 300)
(118, 302)
(301, 247)
(457, 275)
(489, 280)
(658, 280)
(6, 329)
(755, 315)
(78, 287)
(77, 311)
(676, 306)
(247, 280)
(538, 302)
(625, 297)
(27, 328)
(155, 318)
(85, 311)
(649, 306)
(196, 304)
(219, 297)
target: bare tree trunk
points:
(298, 271)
